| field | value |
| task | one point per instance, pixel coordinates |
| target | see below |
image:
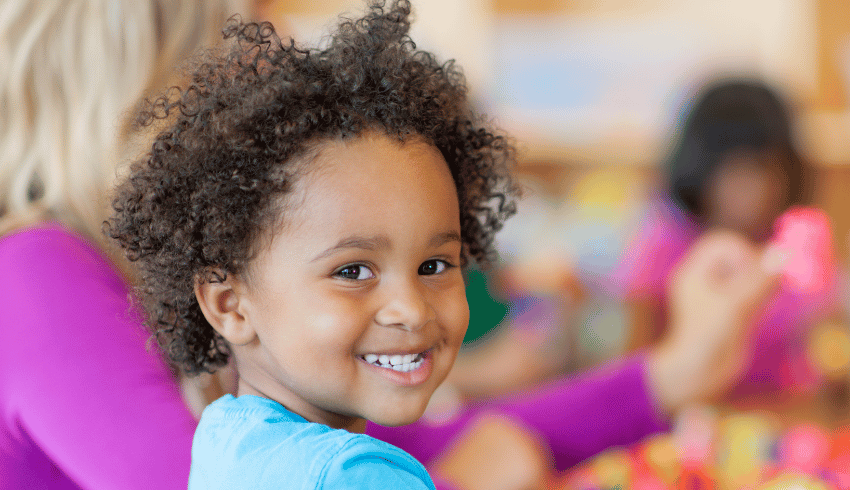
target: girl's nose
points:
(406, 307)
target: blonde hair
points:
(72, 71)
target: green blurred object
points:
(486, 310)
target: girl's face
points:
(747, 193)
(358, 305)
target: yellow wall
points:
(833, 19)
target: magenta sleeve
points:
(82, 398)
(578, 417)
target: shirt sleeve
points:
(77, 378)
(365, 464)
(578, 417)
(581, 417)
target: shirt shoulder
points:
(662, 239)
(365, 462)
(49, 254)
(252, 442)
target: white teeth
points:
(398, 362)
(406, 367)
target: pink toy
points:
(804, 233)
(805, 448)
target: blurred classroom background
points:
(592, 91)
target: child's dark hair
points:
(195, 206)
(728, 116)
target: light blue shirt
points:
(255, 443)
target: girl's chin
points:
(397, 418)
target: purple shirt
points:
(84, 404)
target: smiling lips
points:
(401, 369)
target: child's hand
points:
(714, 294)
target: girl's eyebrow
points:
(382, 242)
(356, 241)
(441, 239)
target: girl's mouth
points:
(397, 362)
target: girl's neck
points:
(351, 424)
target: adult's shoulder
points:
(44, 242)
(52, 251)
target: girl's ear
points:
(221, 304)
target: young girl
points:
(735, 167)
(309, 212)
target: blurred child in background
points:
(735, 167)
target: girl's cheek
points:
(460, 315)
(339, 309)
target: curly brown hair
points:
(195, 205)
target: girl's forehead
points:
(372, 173)
(373, 155)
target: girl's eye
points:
(355, 272)
(431, 267)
